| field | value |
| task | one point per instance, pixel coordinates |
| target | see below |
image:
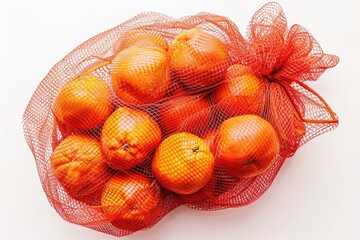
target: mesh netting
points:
(159, 112)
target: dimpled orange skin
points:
(128, 137)
(140, 75)
(131, 201)
(246, 145)
(241, 92)
(198, 58)
(79, 166)
(183, 163)
(185, 113)
(83, 103)
(142, 38)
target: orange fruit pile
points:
(171, 114)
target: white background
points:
(316, 194)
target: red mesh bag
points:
(161, 112)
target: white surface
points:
(316, 194)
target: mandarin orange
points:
(241, 92)
(131, 201)
(83, 103)
(140, 75)
(79, 166)
(128, 137)
(198, 58)
(246, 145)
(183, 163)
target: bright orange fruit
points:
(241, 92)
(128, 137)
(83, 103)
(246, 145)
(131, 201)
(183, 163)
(140, 75)
(198, 58)
(79, 166)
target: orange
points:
(140, 75)
(198, 58)
(83, 103)
(128, 137)
(142, 38)
(183, 163)
(241, 92)
(131, 201)
(79, 166)
(185, 114)
(247, 145)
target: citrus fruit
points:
(128, 137)
(241, 92)
(79, 166)
(140, 75)
(83, 103)
(198, 58)
(183, 163)
(246, 145)
(131, 201)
